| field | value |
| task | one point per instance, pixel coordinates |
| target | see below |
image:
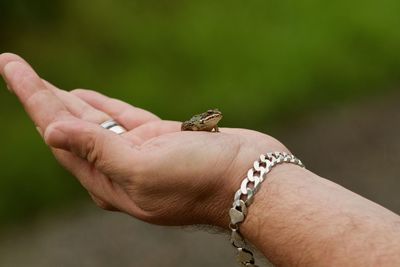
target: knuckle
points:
(93, 149)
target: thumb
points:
(108, 152)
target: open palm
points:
(154, 171)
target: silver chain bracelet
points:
(245, 196)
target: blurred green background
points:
(263, 63)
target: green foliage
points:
(257, 61)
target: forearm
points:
(300, 219)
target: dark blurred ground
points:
(356, 145)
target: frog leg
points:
(216, 129)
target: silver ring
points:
(113, 126)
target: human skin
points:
(161, 175)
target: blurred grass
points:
(258, 61)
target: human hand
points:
(154, 172)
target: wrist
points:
(299, 218)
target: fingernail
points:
(8, 71)
(39, 130)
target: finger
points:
(77, 106)
(104, 150)
(130, 116)
(148, 127)
(84, 111)
(74, 104)
(39, 102)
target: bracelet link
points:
(236, 216)
(237, 240)
(244, 256)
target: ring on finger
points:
(113, 126)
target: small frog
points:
(206, 121)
